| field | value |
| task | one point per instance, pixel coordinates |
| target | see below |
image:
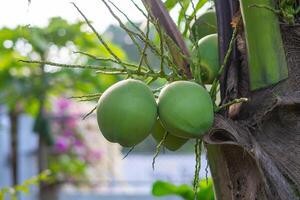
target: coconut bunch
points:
(128, 112)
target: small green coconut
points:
(172, 143)
(205, 24)
(127, 112)
(206, 55)
(185, 109)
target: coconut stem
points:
(158, 147)
(197, 167)
(235, 101)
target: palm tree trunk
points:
(254, 153)
(254, 148)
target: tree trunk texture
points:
(13, 117)
(47, 192)
(254, 148)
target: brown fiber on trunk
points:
(257, 155)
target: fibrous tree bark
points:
(254, 148)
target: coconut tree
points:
(253, 145)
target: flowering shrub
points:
(71, 155)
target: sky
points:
(19, 12)
(38, 12)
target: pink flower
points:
(78, 143)
(63, 104)
(68, 133)
(61, 145)
(71, 122)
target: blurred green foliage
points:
(184, 6)
(67, 168)
(45, 176)
(162, 188)
(24, 86)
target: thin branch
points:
(164, 58)
(161, 49)
(151, 81)
(235, 101)
(141, 10)
(105, 70)
(108, 60)
(141, 36)
(99, 36)
(168, 61)
(114, 73)
(179, 58)
(194, 10)
(89, 113)
(156, 7)
(128, 19)
(146, 45)
(229, 51)
(116, 70)
(142, 74)
(127, 154)
(214, 88)
(130, 33)
(133, 35)
(69, 66)
(158, 147)
(206, 170)
(197, 167)
(85, 96)
(89, 99)
(156, 51)
(195, 20)
(97, 58)
(187, 18)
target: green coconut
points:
(205, 24)
(172, 142)
(185, 109)
(206, 56)
(127, 112)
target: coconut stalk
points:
(265, 52)
(174, 39)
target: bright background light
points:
(19, 12)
